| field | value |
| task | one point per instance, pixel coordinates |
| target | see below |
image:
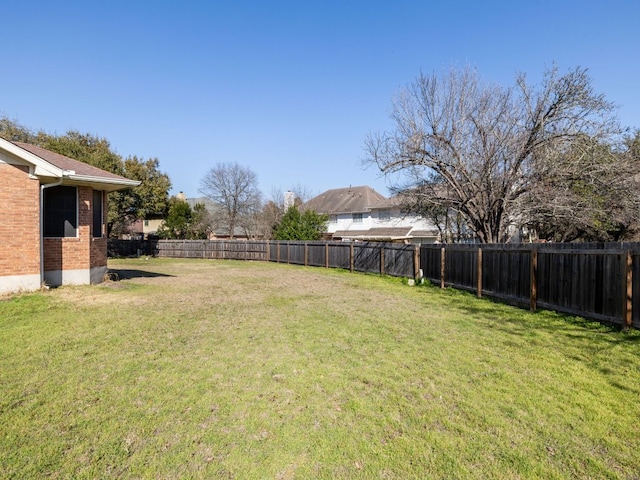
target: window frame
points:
(384, 214)
(97, 214)
(57, 212)
(357, 218)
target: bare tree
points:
(302, 194)
(275, 208)
(587, 192)
(476, 148)
(235, 190)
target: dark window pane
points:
(60, 212)
(97, 213)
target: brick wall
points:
(83, 252)
(20, 229)
(19, 221)
(72, 253)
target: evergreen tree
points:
(294, 225)
(185, 223)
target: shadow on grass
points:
(585, 341)
(128, 274)
(516, 320)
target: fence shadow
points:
(544, 320)
(128, 274)
(575, 330)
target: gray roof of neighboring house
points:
(392, 202)
(424, 233)
(376, 232)
(385, 233)
(345, 200)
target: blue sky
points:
(288, 88)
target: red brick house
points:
(53, 212)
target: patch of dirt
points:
(204, 285)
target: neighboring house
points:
(348, 208)
(53, 213)
(409, 227)
(361, 213)
(146, 228)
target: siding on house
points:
(389, 214)
(341, 204)
(361, 213)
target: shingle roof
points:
(345, 200)
(66, 163)
(376, 232)
(391, 202)
(424, 233)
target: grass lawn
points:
(222, 369)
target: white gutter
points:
(71, 175)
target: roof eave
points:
(44, 170)
(41, 168)
(107, 184)
(374, 238)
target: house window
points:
(333, 218)
(60, 212)
(357, 218)
(97, 213)
(146, 222)
(384, 214)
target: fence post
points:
(352, 259)
(306, 252)
(268, 255)
(382, 250)
(442, 264)
(627, 310)
(326, 254)
(288, 252)
(416, 262)
(479, 272)
(533, 297)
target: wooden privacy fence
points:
(208, 249)
(368, 257)
(596, 281)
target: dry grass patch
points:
(221, 369)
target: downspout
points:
(42, 188)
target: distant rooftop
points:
(345, 200)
